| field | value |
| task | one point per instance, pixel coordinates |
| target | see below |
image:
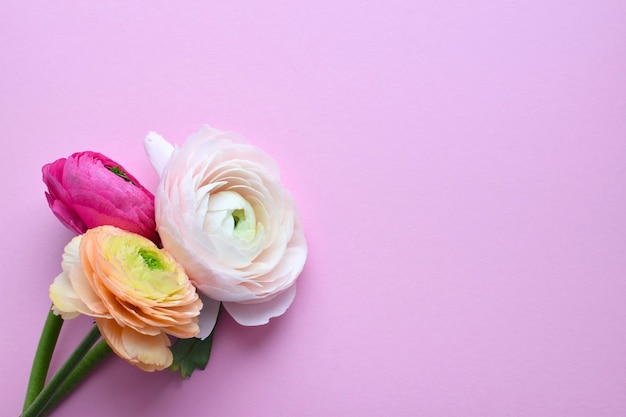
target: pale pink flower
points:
(223, 213)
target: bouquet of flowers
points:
(154, 270)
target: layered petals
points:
(149, 353)
(87, 189)
(223, 213)
(137, 292)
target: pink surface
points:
(460, 169)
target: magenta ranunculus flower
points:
(87, 190)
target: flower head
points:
(224, 215)
(137, 293)
(87, 189)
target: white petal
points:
(208, 316)
(71, 253)
(256, 314)
(158, 150)
(65, 301)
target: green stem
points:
(89, 362)
(43, 355)
(41, 402)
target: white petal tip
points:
(158, 150)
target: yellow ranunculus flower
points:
(137, 293)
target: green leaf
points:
(191, 354)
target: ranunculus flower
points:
(137, 293)
(88, 189)
(222, 212)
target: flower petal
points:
(65, 301)
(208, 316)
(158, 150)
(256, 314)
(149, 353)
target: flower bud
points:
(87, 189)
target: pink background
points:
(459, 165)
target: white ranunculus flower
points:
(222, 212)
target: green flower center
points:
(234, 215)
(151, 259)
(143, 267)
(238, 215)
